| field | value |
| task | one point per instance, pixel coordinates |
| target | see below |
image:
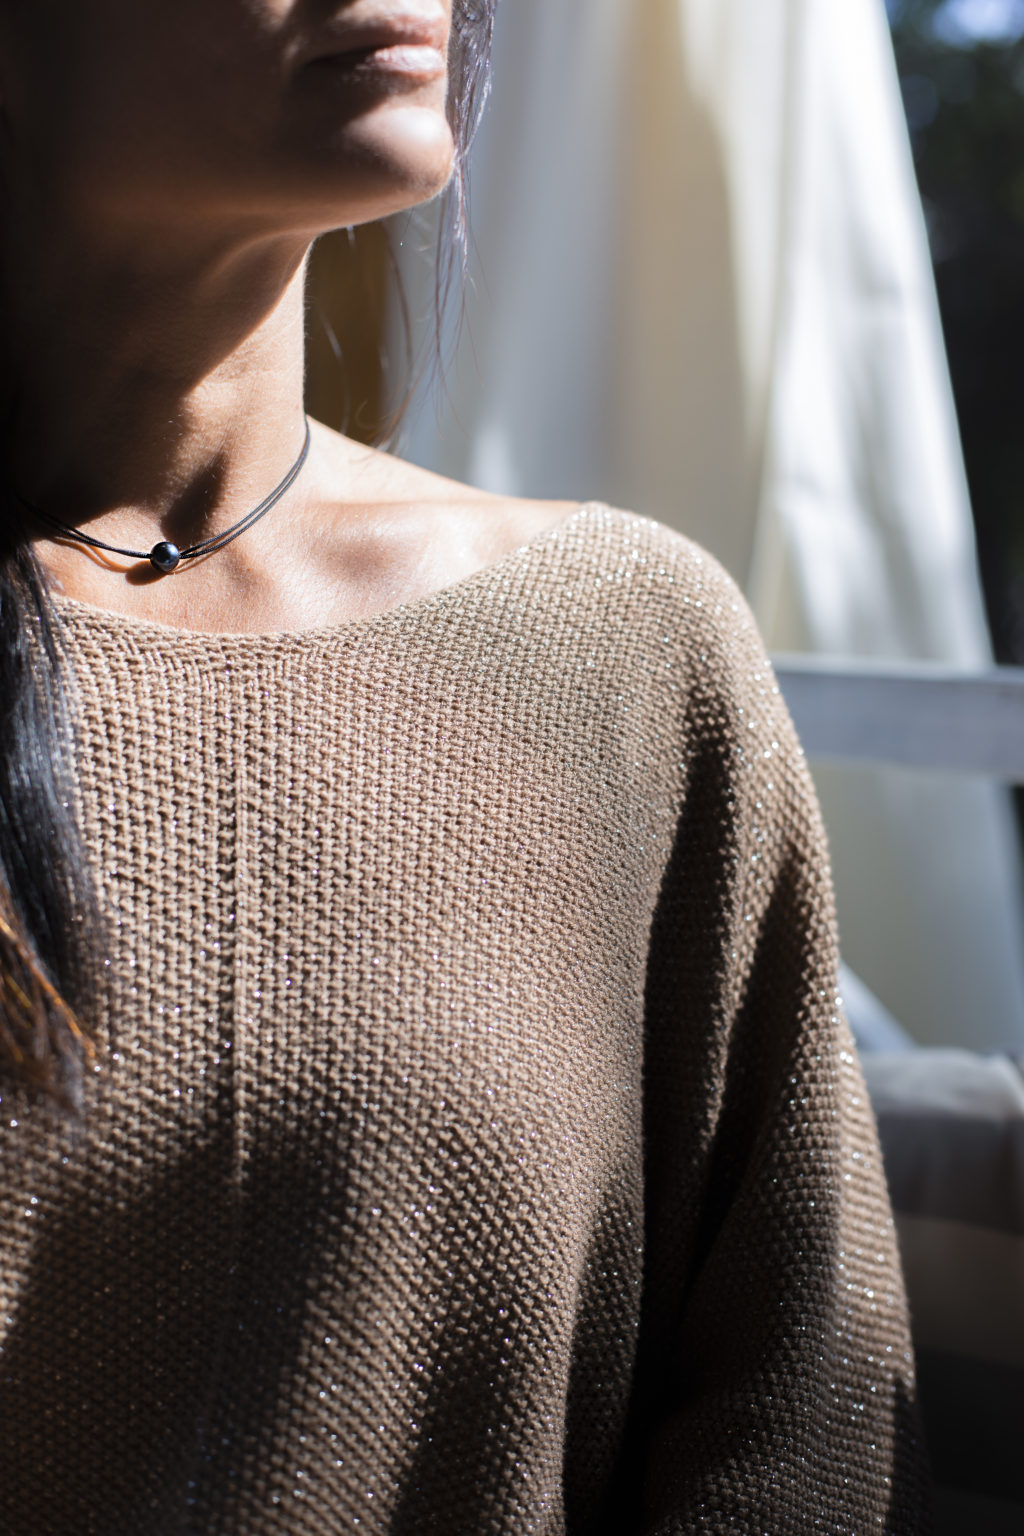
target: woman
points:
(473, 1143)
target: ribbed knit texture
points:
(479, 1148)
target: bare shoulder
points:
(491, 523)
(457, 526)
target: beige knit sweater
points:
(480, 1149)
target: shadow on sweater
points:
(142, 1303)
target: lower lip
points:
(411, 61)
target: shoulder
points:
(648, 583)
(661, 619)
(649, 626)
(398, 532)
(474, 527)
(613, 569)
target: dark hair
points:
(49, 922)
(48, 927)
(472, 33)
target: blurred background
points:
(756, 268)
(961, 67)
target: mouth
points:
(413, 47)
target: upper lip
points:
(409, 29)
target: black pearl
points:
(164, 557)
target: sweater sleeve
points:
(775, 1389)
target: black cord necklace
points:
(165, 556)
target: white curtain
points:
(701, 290)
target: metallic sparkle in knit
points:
(479, 1147)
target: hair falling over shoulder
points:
(40, 1036)
(48, 926)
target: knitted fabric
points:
(479, 1147)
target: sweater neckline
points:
(107, 619)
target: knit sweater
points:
(479, 1147)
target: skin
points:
(164, 168)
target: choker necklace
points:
(165, 556)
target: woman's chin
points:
(405, 155)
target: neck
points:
(152, 400)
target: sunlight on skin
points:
(163, 170)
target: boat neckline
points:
(76, 608)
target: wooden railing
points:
(908, 714)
